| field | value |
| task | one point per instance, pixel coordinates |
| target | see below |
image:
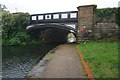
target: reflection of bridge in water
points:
(54, 27)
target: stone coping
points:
(94, 5)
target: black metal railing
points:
(59, 17)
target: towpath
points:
(64, 64)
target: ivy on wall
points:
(118, 16)
(106, 13)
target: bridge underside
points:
(51, 33)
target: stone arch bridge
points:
(54, 27)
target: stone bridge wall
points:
(94, 27)
(106, 28)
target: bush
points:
(14, 29)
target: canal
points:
(17, 61)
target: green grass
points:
(102, 58)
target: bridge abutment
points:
(86, 21)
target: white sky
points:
(48, 6)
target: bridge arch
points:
(52, 32)
(51, 25)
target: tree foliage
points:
(14, 29)
(13, 23)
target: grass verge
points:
(102, 58)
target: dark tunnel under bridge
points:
(51, 32)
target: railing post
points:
(51, 16)
(43, 17)
(59, 15)
(69, 15)
(37, 17)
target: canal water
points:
(17, 61)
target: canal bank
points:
(61, 62)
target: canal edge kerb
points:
(88, 71)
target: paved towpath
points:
(64, 64)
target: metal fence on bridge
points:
(59, 17)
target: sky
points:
(49, 6)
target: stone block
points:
(85, 18)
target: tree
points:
(14, 28)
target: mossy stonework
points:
(97, 23)
(107, 23)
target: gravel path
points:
(64, 64)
